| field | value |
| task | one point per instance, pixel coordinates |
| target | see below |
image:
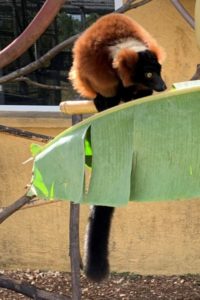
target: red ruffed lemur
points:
(114, 60)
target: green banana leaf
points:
(144, 150)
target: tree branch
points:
(25, 134)
(29, 290)
(41, 85)
(11, 209)
(75, 250)
(8, 211)
(39, 63)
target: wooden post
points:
(74, 240)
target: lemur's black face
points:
(148, 71)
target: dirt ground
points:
(118, 286)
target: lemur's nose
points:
(161, 86)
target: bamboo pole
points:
(78, 107)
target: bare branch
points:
(29, 289)
(75, 250)
(25, 134)
(41, 85)
(11, 209)
(39, 63)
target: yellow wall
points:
(146, 238)
(163, 21)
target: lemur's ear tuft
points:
(124, 62)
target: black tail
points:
(97, 263)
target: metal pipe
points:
(181, 9)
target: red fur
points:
(94, 70)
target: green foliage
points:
(35, 149)
(145, 150)
(90, 19)
(68, 26)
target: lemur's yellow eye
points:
(148, 75)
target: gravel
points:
(118, 286)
